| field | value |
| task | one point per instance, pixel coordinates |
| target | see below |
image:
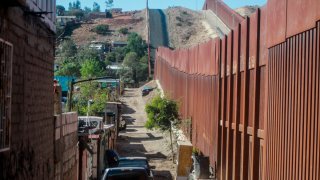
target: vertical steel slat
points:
(244, 137)
(2, 99)
(308, 106)
(256, 84)
(305, 104)
(223, 107)
(312, 105)
(317, 175)
(295, 104)
(317, 126)
(278, 102)
(229, 78)
(285, 110)
(291, 102)
(300, 119)
(284, 119)
(237, 143)
(269, 121)
(275, 108)
(281, 93)
(2, 113)
(298, 108)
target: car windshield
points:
(133, 163)
(83, 122)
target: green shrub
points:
(124, 31)
(101, 29)
(162, 113)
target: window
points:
(6, 51)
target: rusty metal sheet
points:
(301, 16)
(318, 12)
(253, 39)
(263, 54)
(236, 49)
(244, 44)
(262, 96)
(276, 20)
(229, 54)
(285, 87)
(204, 58)
(216, 56)
(224, 12)
(224, 42)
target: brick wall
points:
(66, 149)
(32, 128)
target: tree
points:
(102, 29)
(142, 69)
(136, 44)
(86, 53)
(124, 31)
(111, 57)
(109, 4)
(79, 13)
(96, 7)
(74, 5)
(120, 54)
(129, 71)
(69, 68)
(99, 102)
(68, 48)
(87, 10)
(162, 114)
(91, 91)
(92, 68)
(60, 10)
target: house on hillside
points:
(27, 128)
(116, 10)
(63, 20)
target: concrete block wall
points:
(66, 146)
(31, 154)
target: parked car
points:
(90, 124)
(125, 173)
(112, 160)
(146, 90)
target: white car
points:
(90, 124)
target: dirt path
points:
(136, 140)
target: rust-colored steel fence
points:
(253, 96)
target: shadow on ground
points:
(129, 120)
(159, 175)
(127, 110)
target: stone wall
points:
(66, 148)
(31, 154)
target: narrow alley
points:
(136, 140)
(228, 89)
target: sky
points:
(128, 5)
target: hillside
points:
(187, 28)
(133, 21)
(246, 10)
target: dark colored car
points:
(113, 160)
(125, 173)
(146, 90)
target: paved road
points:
(136, 140)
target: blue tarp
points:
(64, 81)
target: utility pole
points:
(148, 38)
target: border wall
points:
(253, 96)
